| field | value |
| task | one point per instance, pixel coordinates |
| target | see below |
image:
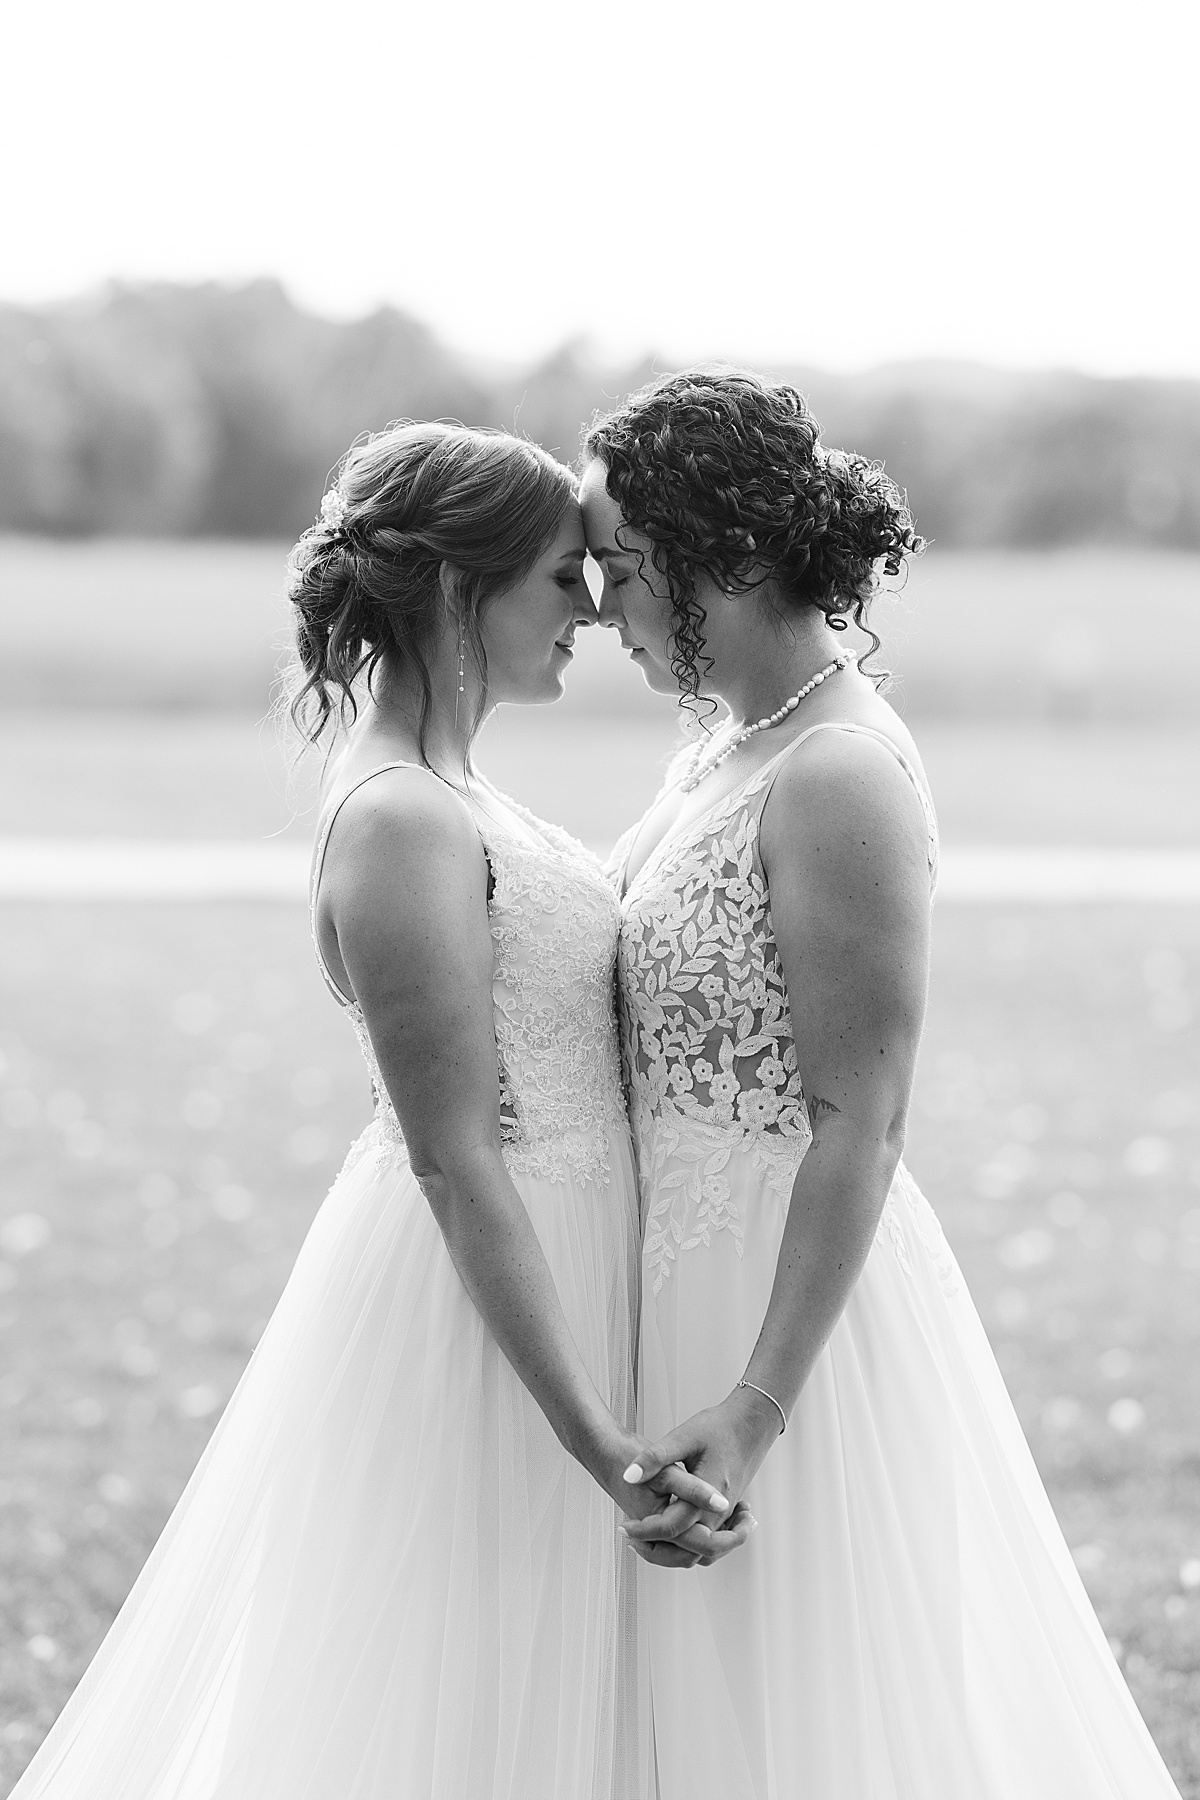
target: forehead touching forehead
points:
(569, 543)
(607, 534)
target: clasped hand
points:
(671, 1484)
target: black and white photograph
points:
(600, 902)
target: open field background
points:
(83, 773)
(1065, 634)
(176, 1089)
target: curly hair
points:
(725, 474)
(365, 580)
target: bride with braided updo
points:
(396, 1573)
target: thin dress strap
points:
(880, 737)
(319, 863)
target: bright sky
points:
(842, 185)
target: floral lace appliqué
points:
(706, 1035)
(554, 924)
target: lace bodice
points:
(706, 1033)
(554, 926)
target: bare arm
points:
(846, 858)
(406, 895)
(844, 848)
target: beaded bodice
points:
(554, 926)
(706, 1033)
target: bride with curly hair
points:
(907, 1620)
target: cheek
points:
(650, 616)
(516, 638)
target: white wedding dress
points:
(907, 1622)
(386, 1580)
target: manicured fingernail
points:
(753, 1523)
(718, 1503)
(633, 1472)
(624, 1530)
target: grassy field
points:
(176, 1089)
(197, 775)
(1063, 634)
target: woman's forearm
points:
(836, 1202)
(496, 1252)
(407, 898)
(837, 1198)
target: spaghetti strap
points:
(322, 845)
(880, 737)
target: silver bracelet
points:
(774, 1402)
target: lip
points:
(567, 649)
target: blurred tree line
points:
(208, 410)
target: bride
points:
(396, 1570)
(907, 1624)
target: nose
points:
(585, 608)
(606, 611)
(610, 611)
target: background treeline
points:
(216, 411)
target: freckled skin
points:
(844, 847)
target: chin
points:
(536, 687)
(660, 681)
(545, 693)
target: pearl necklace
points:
(704, 765)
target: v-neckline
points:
(681, 836)
(628, 882)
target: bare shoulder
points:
(841, 801)
(400, 823)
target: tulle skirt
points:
(386, 1579)
(907, 1622)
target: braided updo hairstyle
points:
(725, 474)
(365, 580)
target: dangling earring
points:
(462, 653)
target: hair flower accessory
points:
(333, 509)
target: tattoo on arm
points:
(818, 1108)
